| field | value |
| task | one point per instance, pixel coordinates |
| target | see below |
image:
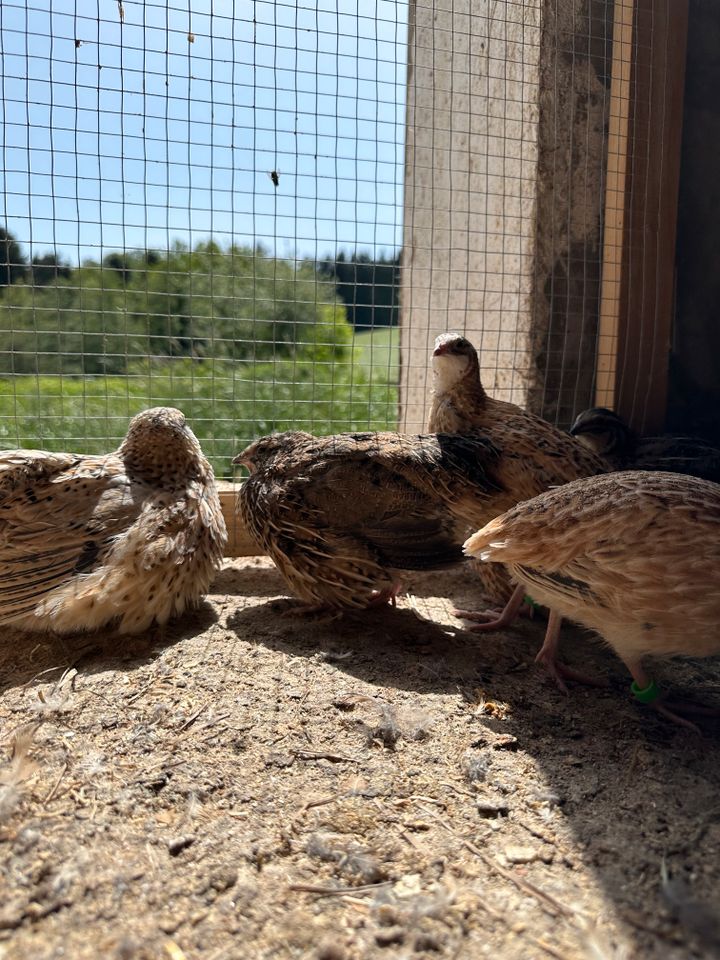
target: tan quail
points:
(126, 540)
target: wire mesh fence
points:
(263, 212)
(201, 207)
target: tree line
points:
(208, 301)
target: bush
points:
(235, 304)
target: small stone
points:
(492, 808)
(223, 878)
(387, 914)
(521, 854)
(408, 886)
(428, 941)
(505, 741)
(12, 913)
(178, 844)
(389, 935)
(331, 951)
(281, 760)
(345, 703)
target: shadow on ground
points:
(637, 791)
(26, 660)
(444, 798)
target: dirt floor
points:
(384, 786)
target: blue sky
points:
(139, 137)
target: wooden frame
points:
(614, 207)
(240, 543)
(641, 197)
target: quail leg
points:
(388, 595)
(671, 709)
(548, 657)
(490, 621)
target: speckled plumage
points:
(635, 556)
(607, 434)
(341, 515)
(535, 454)
(126, 540)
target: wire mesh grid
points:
(218, 207)
(189, 193)
(539, 213)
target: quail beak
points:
(591, 430)
(241, 461)
(440, 350)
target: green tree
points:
(235, 303)
(369, 287)
(13, 262)
(46, 268)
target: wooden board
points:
(240, 543)
(615, 192)
(651, 212)
(638, 272)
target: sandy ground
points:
(384, 786)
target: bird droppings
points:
(213, 792)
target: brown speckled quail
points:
(127, 540)
(634, 556)
(343, 515)
(607, 434)
(535, 454)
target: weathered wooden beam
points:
(616, 185)
(240, 543)
(655, 138)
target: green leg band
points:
(645, 694)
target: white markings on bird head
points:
(453, 358)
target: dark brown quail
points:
(607, 434)
(343, 516)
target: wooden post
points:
(240, 543)
(615, 192)
(637, 308)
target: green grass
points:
(227, 403)
(379, 349)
